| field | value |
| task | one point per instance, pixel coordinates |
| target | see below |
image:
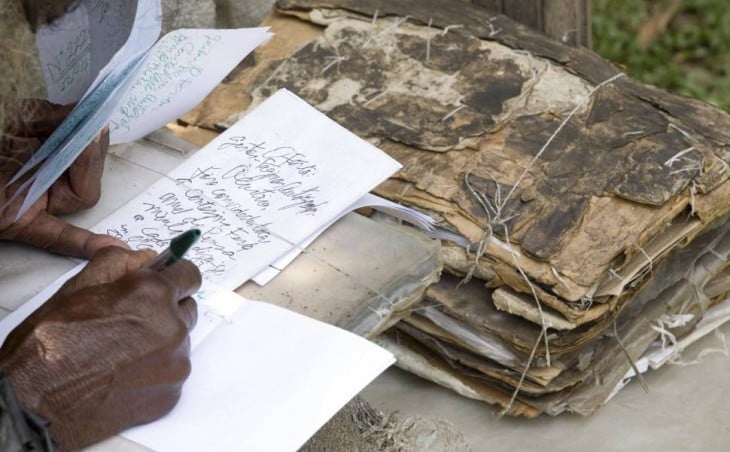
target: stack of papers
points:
(584, 217)
(481, 340)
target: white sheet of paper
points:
(182, 68)
(64, 51)
(74, 134)
(165, 82)
(267, 183)
(411, 216)
(263, 378)
(101, 98)
(75, 48)
(146, 29)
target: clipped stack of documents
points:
(583, 216)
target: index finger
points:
(59, 236)
(107, 265)
(184, 279)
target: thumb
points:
(59, 236)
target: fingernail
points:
(97, 139)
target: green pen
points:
(176, 251)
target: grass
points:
(691, 57)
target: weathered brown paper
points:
(574, 187)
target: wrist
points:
(23, 429)
(28, 374)
(20, 371)
(50, 388)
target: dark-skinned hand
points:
(109, 350)
(78, 188)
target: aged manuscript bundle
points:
(584, 214)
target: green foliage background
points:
(691, 57)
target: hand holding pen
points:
(123, 320)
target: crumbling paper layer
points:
(567, 188)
